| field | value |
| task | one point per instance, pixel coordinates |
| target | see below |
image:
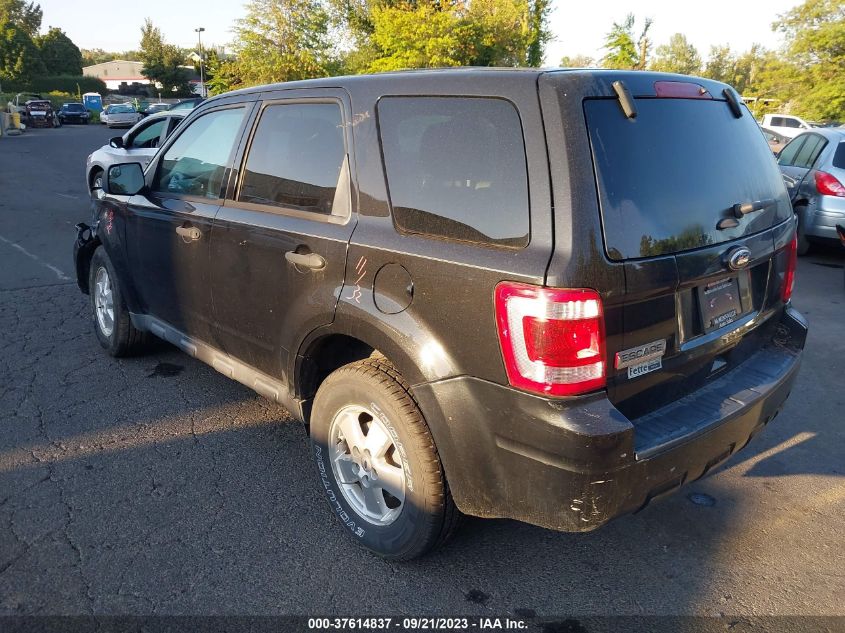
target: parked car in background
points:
(73, 113)
(788, 125)
(123, 115)
(484, 300)
(139, 144)
(187, 104)
(813, 168)
(776, 140)
(40, 113)
(155, 108)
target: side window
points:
(787, 155)
(777, 121)
(809, 152)
(297, 160)
(196, 162)
(839, 156)
(148, 137)
(791, 123)
(456, 168)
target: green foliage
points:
(624, 50)
(815, 36)
(25, 15)
(678, 56)
(63, 84)
(578, 61)
(19, 57)
(94, 56)
(59, 54)
(420, 37)
(163, 62)
(280, 40)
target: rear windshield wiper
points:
(740, 210)
(625, 99)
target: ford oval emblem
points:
(738, 258)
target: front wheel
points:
(378, 464)
(112, 324)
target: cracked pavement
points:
(154, 485)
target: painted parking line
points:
(61, 276)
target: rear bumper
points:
(575, 465)
(829, 211)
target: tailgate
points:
(691, 209)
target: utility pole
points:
(202, 60)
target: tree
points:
(25, 15)
(425, 36)
(538, 31)
(578, 61)
(59, 54)
(815, 41)
(624, 51)
(678, 56)
(721, 64)
(19, 58)
(98, 56)
(162, 62)
(282, 40)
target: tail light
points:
(552, 339)
(789, 276)
(828, 185)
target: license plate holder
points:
(720, 303)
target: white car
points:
(138, 145)
(786, 124)
(122, 115)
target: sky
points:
(739, 23)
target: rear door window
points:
(667, 177)
(810, 151)
(456, 168)
(297, 160)
(787, 157)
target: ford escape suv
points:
(551, 296)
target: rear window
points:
(666, 178)
(839, 156)
(456, 168)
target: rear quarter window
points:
(839, 156)
(456, 168)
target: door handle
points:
(306, 260)
(189, 233)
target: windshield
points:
(121, 109)
(666, 178)
(74, 107)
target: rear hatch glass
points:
(667, 177)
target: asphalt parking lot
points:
(154, 485)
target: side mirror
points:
(116, 142)
(125, 180)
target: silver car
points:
(122, 115)
(813, 168)
(138, 145)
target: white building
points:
(120, 71)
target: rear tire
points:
(395, 500)
(112, 324)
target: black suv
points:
(545, 295)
